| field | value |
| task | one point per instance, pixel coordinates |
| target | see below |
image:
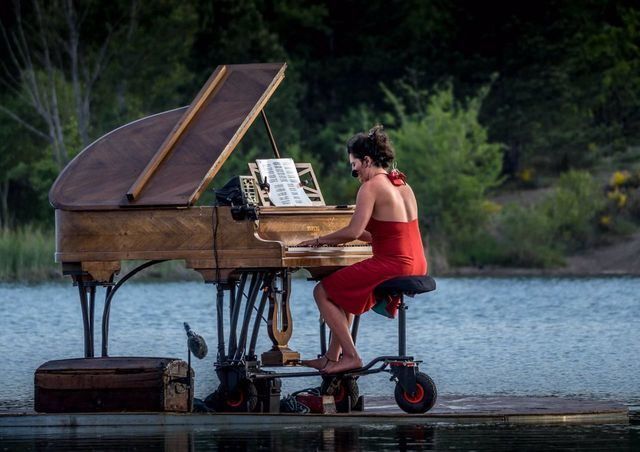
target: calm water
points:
(319, 438)
(491, 336)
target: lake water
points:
(477, 336)
(491, 438)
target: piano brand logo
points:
(311, 228)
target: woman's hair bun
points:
(375, 144)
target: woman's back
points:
(392, 202)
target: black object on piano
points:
(239, 193)
(234, 193)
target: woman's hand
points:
(312, 242)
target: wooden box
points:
(113, 384)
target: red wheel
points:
(237, 401)
(417, 397)
(347, 391)
(424, 398)
(242, 400)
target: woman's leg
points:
(333, 351)
(338, 322)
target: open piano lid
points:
(168, 159)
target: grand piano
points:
(132, 194)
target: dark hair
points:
(375, 144)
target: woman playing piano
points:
(386, 215)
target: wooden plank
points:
(207, 91)
(102, 174)
(98, 177)
(129, 363)
(103, 380)
(96, 242)
(205, 146)
(379, 410)
(242, 130)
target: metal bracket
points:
(405, 373)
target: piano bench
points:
(406, 285)
(398, 288)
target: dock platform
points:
(378, 410)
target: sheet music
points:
(284, 181)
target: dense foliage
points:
(473, 94)
(566, 220)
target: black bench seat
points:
(406, 285)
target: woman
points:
(386, 216)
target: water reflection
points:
(365, 437)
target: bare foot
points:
(346, 364)
(318, 363)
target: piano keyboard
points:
(346, 249)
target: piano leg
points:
(234, 368)
(268, 280)
(256, 285)
(87, 329)
(92, 314)
(280, 313)
(236, 365)
(236, 352)
(105, 319)
(220, 321)
(235, 302)
(111, 291)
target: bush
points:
(525, 238)
(573, 209)
(565, 221)
(450, 165)
(623, 203)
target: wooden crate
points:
(113, 384)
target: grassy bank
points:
(26, 254)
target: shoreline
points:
(459, 272)
(503, 272)
(621, 258)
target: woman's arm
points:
(355, 229)
(365, 237)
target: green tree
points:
(566, 93)
(450, 164)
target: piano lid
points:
(168, 159)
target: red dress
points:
(397, 251)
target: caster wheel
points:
(346, 392)
(424, 398)
(243, 400)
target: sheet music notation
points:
(282, 176)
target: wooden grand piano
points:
(131, 195)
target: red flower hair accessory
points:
(396, 177)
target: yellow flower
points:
(618, 197)
(605, 220)
(622, 200)
(619, 178)
(491, 207)
(526, 175)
